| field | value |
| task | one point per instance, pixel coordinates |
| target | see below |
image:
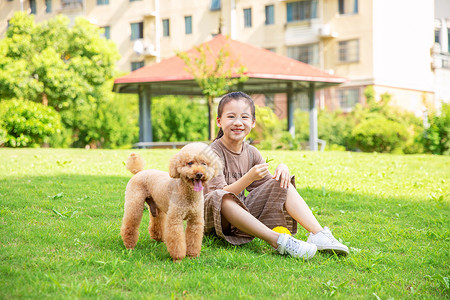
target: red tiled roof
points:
(259, 63)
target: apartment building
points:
(387, 44)
(124, 22)
(441, 50)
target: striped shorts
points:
(266, 203)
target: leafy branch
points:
(215, 73)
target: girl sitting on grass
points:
(272, 200)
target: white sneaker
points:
(325, 241)
(295, 248)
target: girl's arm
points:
(256, 172)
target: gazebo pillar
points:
(312, 117)
(145, 115)
(290, 109)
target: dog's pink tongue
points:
(198, 187)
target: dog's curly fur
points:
(172, 198)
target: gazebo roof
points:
(267, 72)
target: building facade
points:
(441, 51)
(370, 42)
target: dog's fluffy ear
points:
(173, 166)
(217, 164)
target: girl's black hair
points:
(230, 97)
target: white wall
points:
(402, 38)
(442, 9)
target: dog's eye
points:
(190, 163)
(203, 163)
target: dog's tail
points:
(135, 163)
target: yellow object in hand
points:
(281, 229)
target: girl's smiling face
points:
(236, 120)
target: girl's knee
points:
(228, 200)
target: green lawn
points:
(61, 210)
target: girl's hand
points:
(259, 171)
(282, 174)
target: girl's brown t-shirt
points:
(234, 166)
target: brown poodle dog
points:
(172, 198)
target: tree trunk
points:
(212, 121)
(44, 99)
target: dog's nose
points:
(199, 175)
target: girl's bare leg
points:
(297, 208)
(246, 222)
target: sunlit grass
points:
(60, 214)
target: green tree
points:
(65, 67)
(215, 79)
(25, 123)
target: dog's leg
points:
(174, 236)
(134, 206)
(156, 227)
(194, 235)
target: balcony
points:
(71, 6)
(441, 61)
(441, 58)
(308, 32)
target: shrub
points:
(436, 137)
(379, 134)
(335, 128)
(179, 119)
(270, 132)
(301, 123)
(3, 135)
(28, 124)
(109, 122)
(268, 127)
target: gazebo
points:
(267, 72)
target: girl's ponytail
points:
(219, 134)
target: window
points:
(349, 51)
(348, 7)
(102, 2)
(448, 40)
(33, 6)
(301, 10)
(48, 6)
(137, 31)
(437, 34)
(166, 27)
(247, 17)
(188, 25)
(136, 65)
(306, 53)
(348, 98)
(270, 15)
(107, 32)
(215, 5)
